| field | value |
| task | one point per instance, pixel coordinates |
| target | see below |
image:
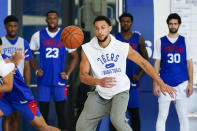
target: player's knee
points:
(39, 123)
(163, 116)
(116, 120)
(81, 125)
(183, 118)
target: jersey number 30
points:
(174, 58)
(52, 52)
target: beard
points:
(99, 40)
(12, 34)
(173, 30)
(52, 27)
(125, 29)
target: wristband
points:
(36, 72)
(67, 77)
(190, 84)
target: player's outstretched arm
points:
(156, 89)
(143, 52)
(18, 56)
(106, 82)
(148, 68)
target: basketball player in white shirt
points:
(106, 58)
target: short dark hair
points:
(102, 18)
(126, 15)
(52, 11)
(10, 18)
(0, 41)
(174, 16)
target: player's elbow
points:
(8, 87)
(82, 78)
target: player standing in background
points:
(10, 43)
(106, 58)
(51, 75)
(173, 61)
(133, 72)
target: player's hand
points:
(39, 72)
(64, 76)
(156, 91)
(108, 82)
(166, 88)
(189, 90)
(18, 56)
(135, 77)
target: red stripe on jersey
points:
(1, 95)
(33, 106)
(65, 91)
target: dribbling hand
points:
(108, 82)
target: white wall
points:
(161, 12)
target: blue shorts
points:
(44, 94)
(134, 97)
(28, 109)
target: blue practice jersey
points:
(10, 46)
(173, 61)
(20, 92)
(52, 59)
(134, 42)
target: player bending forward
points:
(20, 98)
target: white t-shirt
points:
(5, 68)
(157, 48)
(108, 62)
(35, 40)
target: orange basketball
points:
(72, 37)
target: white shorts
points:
(181, 93)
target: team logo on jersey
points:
(52, 43)
(9, 50)
(23, 102)
(109, 57)
(111, 65)
(61, 84)
(109, 61)
(174, 48)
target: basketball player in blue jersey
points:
(106, 58)
(10, 42)
(18, 97)
(51, 73)
(133, 72)
(174, 63)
